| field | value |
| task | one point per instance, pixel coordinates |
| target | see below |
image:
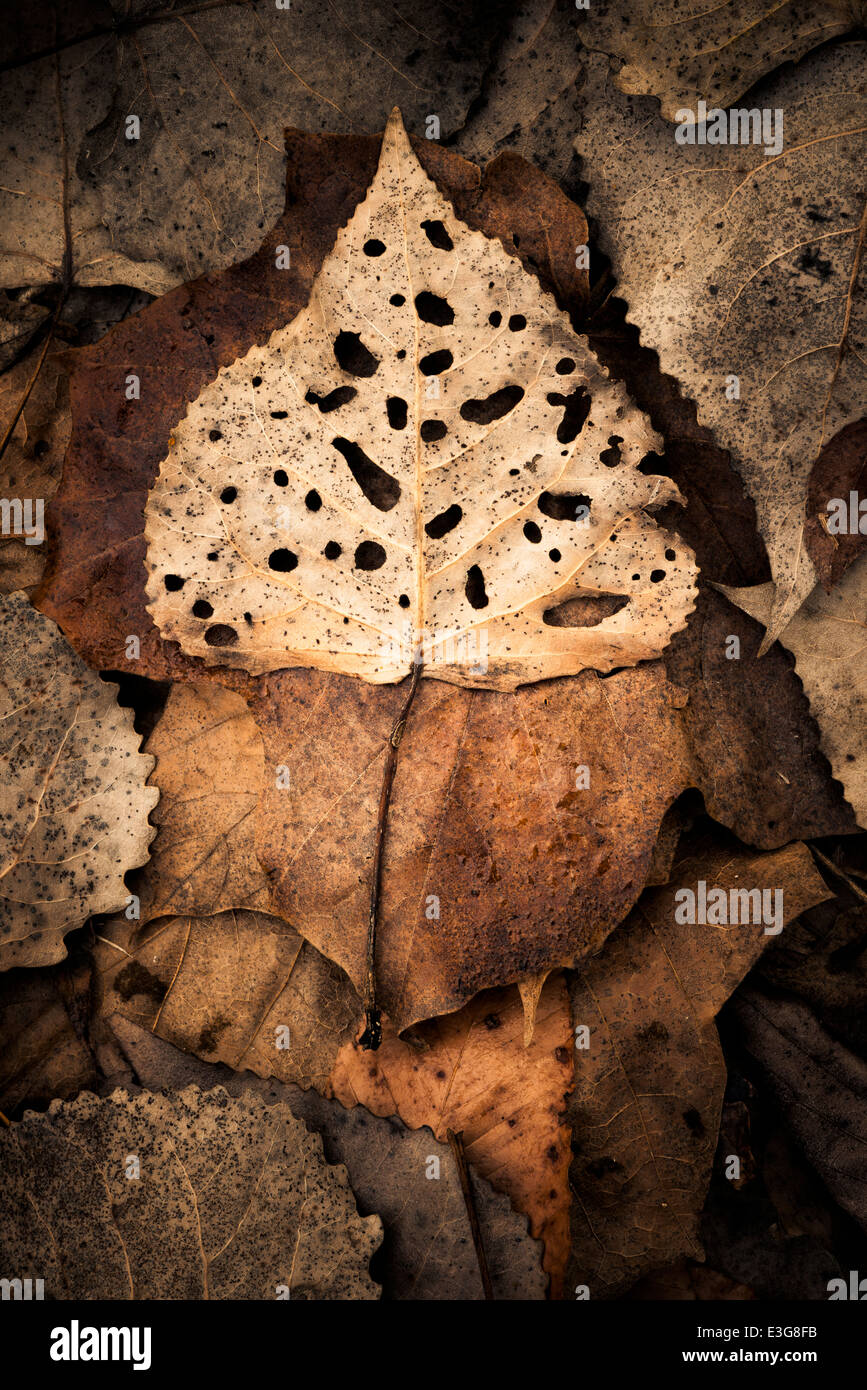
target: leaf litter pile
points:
(432, 695)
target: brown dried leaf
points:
(530, 100)
(314, 723)
(736, 264)
(648, 1090)
(715, 52)
(44, 1050)
(209, 770)
(73, 804)
(819, 1086)
(828, 639)
(471, 1072)
(340, 512)
(241, 988)
(840, 469)
(32, 461)
(755, 747)
(499, 861)
(233, 1200)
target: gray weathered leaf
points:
(73, 801)
(738, 265)
(191, 1196)
(213, 87)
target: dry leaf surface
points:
(498, 863)
(31, 463)
(735, 264)
(209, 770)
(471, 1072)
(234, 1199)
(428, 1250)
(330, 731)
(684, 53)
(241, 988)
(828, 639)
(648, 1089)
(427, 454)
(212, 88)
(73, 804)
(819, 1085)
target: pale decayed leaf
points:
(744, 270)
(427, 452)
(828, 639)
(716, 52)
(73, 801)
(191, 1196)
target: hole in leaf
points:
(279, 414)
(611, 457)
(282, 560)
(202, 609)
(395, 409)
(213, 555)
(341, 395)
(671, 554)
(373, 247)
(495, 318)
(435, 362)
(576, 408)
(257, 381)
(353, 356)
(397, 299)
(475, 588)
(214, 435)
(281, 478)
(563, 506)
(404, 600)
(554, 555)
(656, 576)
(379, 487)
(432, 430)
(439, 526)
(588, 610)
(313, 501)
(517, 322)
(332, 551)
(221, 635)
(437, 235)
(370, 555)
(432, 309)
(532, 532)
(228, 494)
(565, 366)
(173, 582)
(493, 407)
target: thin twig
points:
(456, 1144)
(372, 1035)
(4, 1120)
(840, 873)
